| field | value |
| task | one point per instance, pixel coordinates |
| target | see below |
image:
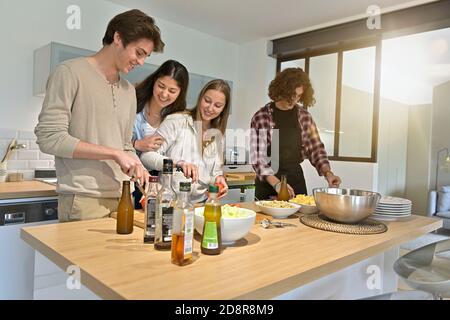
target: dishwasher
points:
(17, 258)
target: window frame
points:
(340, 48)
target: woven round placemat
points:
(364, 227)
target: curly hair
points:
(284, 85)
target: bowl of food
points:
(278, 209)
(307, 202)
(235, 223)
(346, 205)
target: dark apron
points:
(289, 158)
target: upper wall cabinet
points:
(47, 58)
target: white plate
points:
(393, 208)
(393, 211)
(388, 218)
(392, 215)
(394, 205)
(394, 201)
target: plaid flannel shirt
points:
(261, 133)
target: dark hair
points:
(133, 25)
(221, 121)
(284, 85)
(173, 69)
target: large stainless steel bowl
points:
(346, 205)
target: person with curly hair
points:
(291, 93)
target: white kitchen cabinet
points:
(50, 283)
(48, 57)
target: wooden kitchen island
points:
(267, 264)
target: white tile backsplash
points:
(25, 142)
(44, 156)
(33, 164)
(33, 145)
(24, 160)
(27, 155)
(17, 165)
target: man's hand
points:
(149, 143)
(190, 170)
(333, 181)
(291, 191)
(132, 167)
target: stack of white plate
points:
(392, 208)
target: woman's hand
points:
(190, 170)
(223, 187)
(149, 143)
(333, 181)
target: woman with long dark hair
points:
(159, 95)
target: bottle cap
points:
(213, 189)
(167, 166)
(126, 182)
(185, 186)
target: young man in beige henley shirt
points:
(87, 119)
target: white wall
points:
(28, 25)
(256, 70)
(354, 175)
(392, 147)
(440, 132)
(418, 157)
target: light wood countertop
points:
(265, 264)
(26, 189)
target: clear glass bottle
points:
(165, 202)
(211, 237)
(125, 211)
(284, 192)
(150, 210)
(183, 227)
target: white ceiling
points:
(241, 21)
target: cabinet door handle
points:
(16, 217)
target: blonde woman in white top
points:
(194, 140)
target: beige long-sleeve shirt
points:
(81, 105)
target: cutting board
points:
(26, 189)
(241, 176)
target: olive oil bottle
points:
(165, 201)
(183, 227)
(211, 237)
(125, 211)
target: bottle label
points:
(150, 227)
(167, 218)
(210, 238)
(188, 234)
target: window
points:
(346, 83)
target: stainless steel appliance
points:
(16, 257)
(237, 160)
